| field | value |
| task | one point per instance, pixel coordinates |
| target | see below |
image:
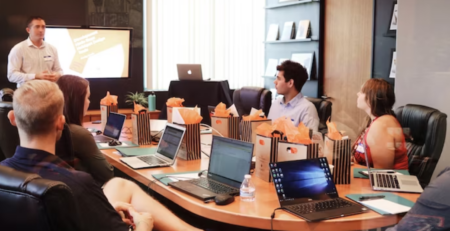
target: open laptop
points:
(382, 180)
(305, 188)
(166, 152)
(229, 162)
(113, 128)
(189, 71)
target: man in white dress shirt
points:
(33, 58)
(289, 83)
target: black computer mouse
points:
(114, 143)
(98, 132)
(223, 199)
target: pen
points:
(365, 198)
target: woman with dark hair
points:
(383, 139)
(76, 102)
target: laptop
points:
(166, 152)
(229, 162)
(305, 188)
(382, 180)
(189, 71)
(113, 128)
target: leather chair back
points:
(29, 202)
(247, 97)
(427, 128)
(323, 111)
(9, 136)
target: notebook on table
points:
(390, 204)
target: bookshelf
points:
(278, 13)
(383, 41)
(293, 40)
(279, 5)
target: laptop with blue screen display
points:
(305, 188)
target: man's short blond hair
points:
(37, 105)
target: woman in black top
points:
(76, 102)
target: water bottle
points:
(247, 189)
(152, 102)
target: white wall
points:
(423, 59)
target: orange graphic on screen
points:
(88, 43)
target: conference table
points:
(254, 214)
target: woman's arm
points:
(381, 140)
(91, 158)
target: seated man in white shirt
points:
(289, 83)
(33, 58)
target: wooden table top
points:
(253, 214)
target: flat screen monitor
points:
(92, 52)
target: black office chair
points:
(427, 130)
(9, 136)
(323, 111)
(247, 97)
(29, 202)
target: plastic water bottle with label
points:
(247, 189)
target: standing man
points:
(289, 83)
(33, 58)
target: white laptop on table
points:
(166, 152)
(382, 180)
(189, 71)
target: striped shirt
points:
(26, 60)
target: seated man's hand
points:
(122, 209)
(142, 221)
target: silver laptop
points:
(189, 71)
(166, 152)
(382, 180)
(113, 128)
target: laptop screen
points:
(114, 125)
(230, 158)
(170, 141)
(303, 180)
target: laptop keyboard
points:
(387, 181)
(312, 207)
(214, 186)
(151, 160)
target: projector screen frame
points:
(92, 27)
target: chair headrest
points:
(250, 96)
(11, 179)
(6, 94)
(417, 119)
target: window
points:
(224, 36)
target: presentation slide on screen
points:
(91, 53)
